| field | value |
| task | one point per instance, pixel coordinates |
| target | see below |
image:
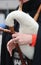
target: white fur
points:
(27, 25)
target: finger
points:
(11, 54)
(9, 47)
(16, 32)
(10, 41)
(9, 50)
(14, 35)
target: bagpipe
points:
(27, 25)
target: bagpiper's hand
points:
(22, 39)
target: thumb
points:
(9, 50)
(10, 54)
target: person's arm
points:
(20, 4)
(37, 13)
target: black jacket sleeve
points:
(37, 55)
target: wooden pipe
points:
(5, 30)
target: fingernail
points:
(11, 55)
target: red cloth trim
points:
(34, 37)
